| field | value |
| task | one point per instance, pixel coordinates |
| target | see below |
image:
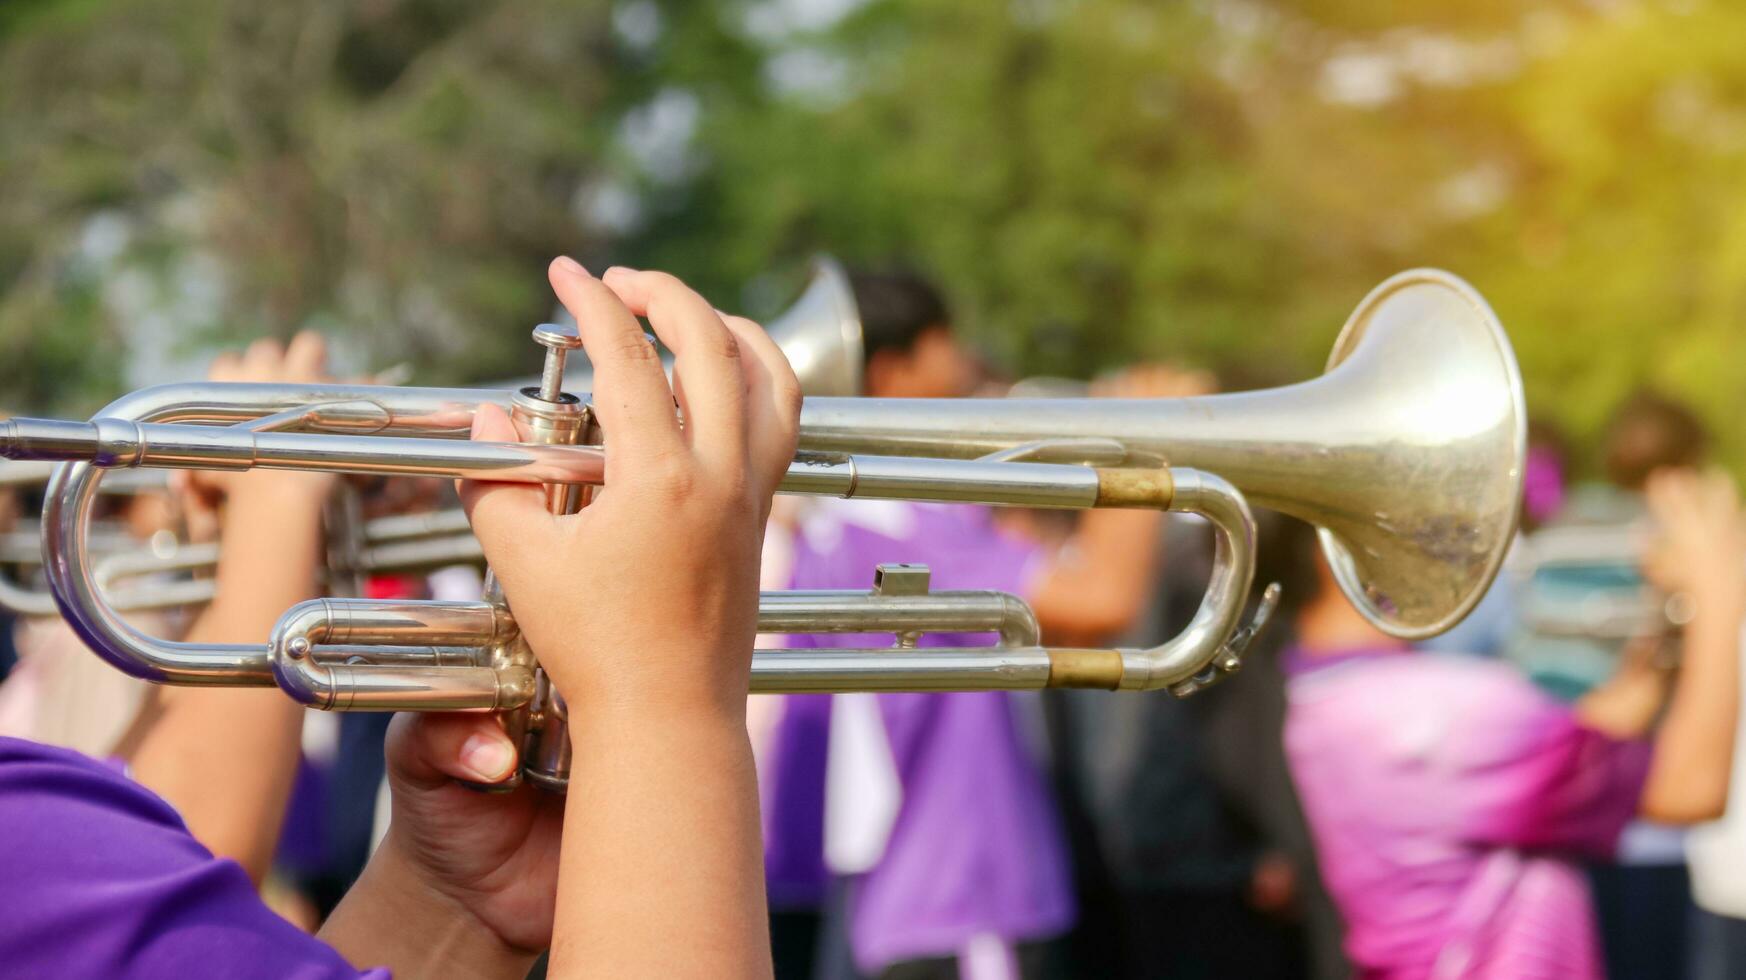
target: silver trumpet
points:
(1407, 454)
(820, 333)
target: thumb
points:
(503, 515)
(427, 750)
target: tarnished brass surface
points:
(1135, 487)
(1100, 669)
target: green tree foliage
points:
(1104, 179)
(396, 172)
(1093, 180)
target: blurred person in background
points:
(926, 816)
(1716, 858)
(1647, 433)
(1654, 429)
(1642, 891)
(1450, 798)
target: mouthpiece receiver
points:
(105, 442)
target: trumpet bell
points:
(820, 333)
(1418, 516)
(1407, 454)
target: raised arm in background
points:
(1702, 553)
(225, 758)
(1099, 580)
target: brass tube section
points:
(403, 630)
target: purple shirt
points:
(102, 879)
(1447, 796)
(976, 849)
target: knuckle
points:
(635, 349)
(727, 346)
(670, 471)
(789, 398)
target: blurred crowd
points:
(1550, 779)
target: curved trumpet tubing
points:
(331, 440)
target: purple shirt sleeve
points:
(103, 879)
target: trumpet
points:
(1406, 454)
(21, 546)
(163, 572)
(819, 333)
(1618, 608)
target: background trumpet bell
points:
(819, 333)
(1407, 454)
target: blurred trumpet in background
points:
(1583, 581)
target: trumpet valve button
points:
(557, 336)
(558, 340)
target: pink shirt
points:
(1447, 797)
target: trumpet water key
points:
(1407, 454)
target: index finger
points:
(632, 399)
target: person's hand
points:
(494, 855)
(1700, 543)
(1700, 551)
(465, 882)
(616, 600)
(203, 492)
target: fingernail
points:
(571, 266)
(489, 758)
